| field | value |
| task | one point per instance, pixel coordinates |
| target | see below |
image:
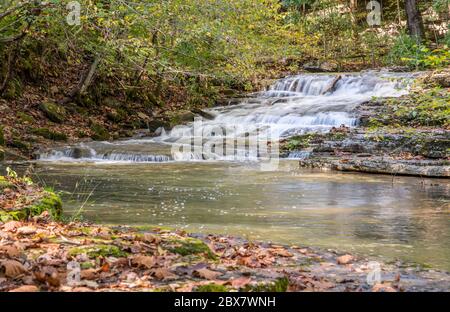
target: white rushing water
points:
(293, 105)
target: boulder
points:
(53, 112)
(157, 124)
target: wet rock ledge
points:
(422, 153)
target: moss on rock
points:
(49, 134)
(19, 144)
(298, 142)
(50, 202)
(24, 117)
(99, 132)
(53, 112)
(45, 200)
(192, 246)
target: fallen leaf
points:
(11, 226)
(88, 274)
(164, 274)
(11, 251)
(53, 280)
(383, 288)
(206, 274)
(240, 281)
(281, 252)
(322, 285)
(26, 230)
(144, 261)
(105, 267)
(250, 262)
(13, 268)
(25, 288)
(150, 238)
(345, 259)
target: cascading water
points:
(294, 105)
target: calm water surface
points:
(374, 215)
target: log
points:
(332, 86)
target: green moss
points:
(24, 117)
(211, 288)
(53, 112)
(192, 246)
(280, 285)
(429, 108)
(97, 251)
(19, 144)
(16, 215)
(299, 142)
(51, 202)
(49, 134)
(86, 265)
(336, 136)
(100, 132)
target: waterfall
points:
(291, 106)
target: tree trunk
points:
(85, 81)
(415, 24)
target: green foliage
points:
(407, 51)
(299, 142)
(11, 173)
(51, 202)
(45, 200)
(440, 6)
(429, 108)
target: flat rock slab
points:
(383, 165)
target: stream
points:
(184, 178)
